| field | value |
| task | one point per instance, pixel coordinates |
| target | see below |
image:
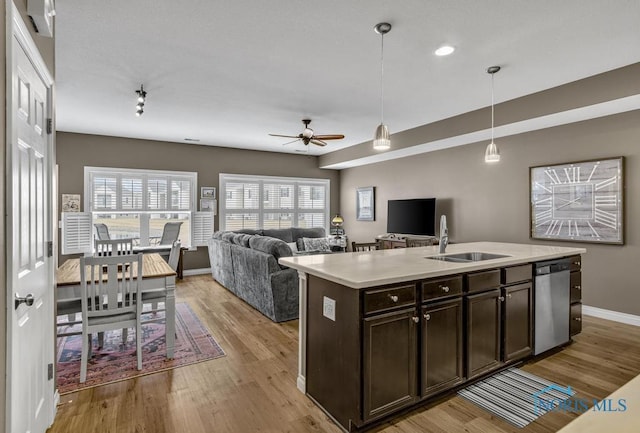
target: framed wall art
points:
(365, 204)
(208, 192)
(578, 201)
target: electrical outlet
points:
(329, 308)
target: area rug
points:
(116, 361)
(516, 396)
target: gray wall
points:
(74, 151)
(491, 202)
(46, 48)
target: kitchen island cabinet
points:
(386, 330)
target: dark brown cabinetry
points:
(483, 332)
(441, 348)
(389, 362)
(575, 296)
(517, 339)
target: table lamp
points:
(337, 222)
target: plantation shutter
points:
(77, 233)
(203, 228)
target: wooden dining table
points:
(156, 275)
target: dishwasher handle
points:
(551, 267)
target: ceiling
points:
(228, 73)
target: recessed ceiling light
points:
(444, 50)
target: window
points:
(138, 203)
(256, 202)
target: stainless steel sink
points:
(467, 257)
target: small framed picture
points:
(70, 202)
(365, 204)
(207, 204)
(208, 192)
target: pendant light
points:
(381, 139)
(492, 154)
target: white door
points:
(30, 385)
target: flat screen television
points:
(412, 217)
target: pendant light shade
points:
(492, 154)
(381, 139)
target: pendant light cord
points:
(492, 105)
(382, 79)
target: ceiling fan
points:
(308, 136)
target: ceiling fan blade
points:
(286, 136)
(329, 137)
(292, 141)
(317, 142)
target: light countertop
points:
(375, 268)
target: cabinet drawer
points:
(485, 280)
(515, 274)
(575, 284)
(433, 289)
(390, 297)
(576, 263)
(575, 324)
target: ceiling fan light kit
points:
(381, 139)
(141, 99)
(492, 154)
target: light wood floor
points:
(253, 388)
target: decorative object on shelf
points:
(70, 203)
(142, 98)
(337, 222)
(208, 192)
(365, 204)
(578, 201)
(492, 154)
(208, 204)
(381, 139)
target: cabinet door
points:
(389, 374)
(517, 341)
(575, 324)
(441, 346)
(483, 332)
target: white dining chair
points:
(110, 296)
(113, 247)
(156, 296)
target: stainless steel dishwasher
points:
(552, 304)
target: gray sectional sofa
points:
(246, 263)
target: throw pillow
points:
(316, 244)
(293, 246)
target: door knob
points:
(26, 300)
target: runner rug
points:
(116, 361)
(516, 396)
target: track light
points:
(142, 97)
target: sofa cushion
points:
(293, 246)
(227, 236)
(276, 247)
(316, 244)
(284, 234)
(218, 235)
(314, 232)
(242, 239)
(249, 231)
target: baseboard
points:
(302, 384)
(201, 271)
(629, 319)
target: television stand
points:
(397, 240)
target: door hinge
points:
(50, 371)
(49, 125)
(49, 248)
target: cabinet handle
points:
(501, 298)
(445, 289)
(578, 319)
(509, 296)
(427, 316)
(416, 319)
(576, 263)
(577, 287)
(394, 298)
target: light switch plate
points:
(329, 308)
